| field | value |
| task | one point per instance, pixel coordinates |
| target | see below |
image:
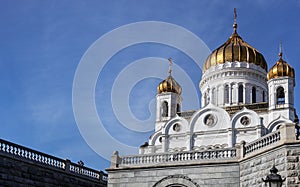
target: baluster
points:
(7, 148)
(192, 156)
(135, 160)
(196, 156)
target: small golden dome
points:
(235, 49)
(169, 85)
(281, 69)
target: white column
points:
(235, 93)
(164, 143)
(221, 95)
(244, 93)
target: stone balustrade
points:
(285, 134)
(262, 142)
(216, 154)
(19, 151)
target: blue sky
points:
(43, 42)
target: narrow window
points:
(178, 108)
(165, 108)
(263, 96)
(241, 93)
(253, 94)
(226, 94)
(280, 96)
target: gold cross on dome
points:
(235, 15)
(234, 22)
(280, 50)
(170, 65)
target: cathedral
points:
(246, 125)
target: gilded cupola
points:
(235, 49)
(169, 84)
(281, 69)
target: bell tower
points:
(281, 83)
(168, 99)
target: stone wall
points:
(212, 175)
(24, 167)
(244, 165)
(286, 160)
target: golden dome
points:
(235, 49)
(281, 69)
(169, 85)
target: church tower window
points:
(254, 94)
(165, 108)
(280, 95)
(241, 93)
(178, 108)
(263, 96)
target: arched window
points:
(280, 96)
(226, 94)
(178, 108)
(241, 94)
(264, 96)
(253, 94)
(165, 109)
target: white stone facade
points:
(232, 84)
(243, 116)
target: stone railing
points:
(216, 154)
(11, 149)
(262, 142)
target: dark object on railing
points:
(273, 178)
(80, 163)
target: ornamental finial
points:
(280, 50)
(170, 66)
(234, 22)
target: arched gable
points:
(273, 126)
(210, 118)
(154, 137)
(245, 118)
(175, 126)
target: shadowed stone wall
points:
(197, 175)
(24, 167)
(286, 160)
